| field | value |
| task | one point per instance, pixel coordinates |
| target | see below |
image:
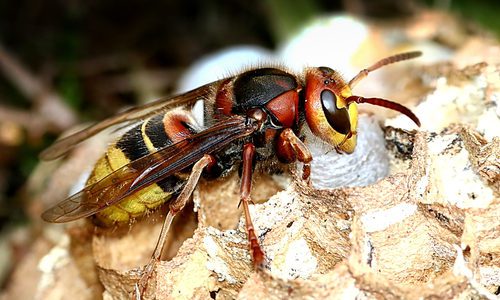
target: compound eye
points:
(338, 118)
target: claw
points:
(147, 273)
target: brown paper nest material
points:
(429, 229)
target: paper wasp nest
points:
(427, 226)
(428, 229)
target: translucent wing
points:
(148, 169)
(63, 145)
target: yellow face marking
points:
(337, 139)
(319, 80)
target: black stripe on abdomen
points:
(155, 131)
(132, 144)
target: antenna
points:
(387, 104)
(383, 62)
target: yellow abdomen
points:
(132, 206)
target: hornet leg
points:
(292, 148)
(174, 207)
(246, 186)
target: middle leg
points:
(175, 206)
(246, 187)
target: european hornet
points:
(252, 118)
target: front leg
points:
(290, 148)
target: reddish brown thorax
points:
(286, 108)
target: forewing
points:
(92, 198)
(127, 117)
(147, 170)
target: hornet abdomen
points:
(147, 137)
